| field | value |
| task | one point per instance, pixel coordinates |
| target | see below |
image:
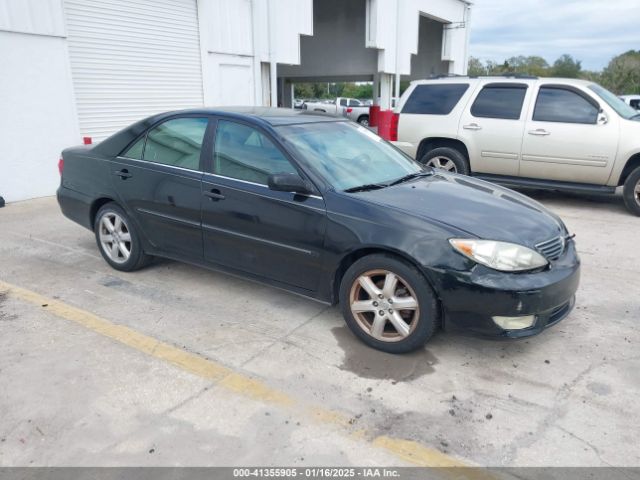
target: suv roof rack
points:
(522, 76)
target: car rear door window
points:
(176, 142)
(437, 99)
(244, 153)
(499, 101)
(135, 151)
(563, 105)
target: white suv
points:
(523, 131)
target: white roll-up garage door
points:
(131, 59)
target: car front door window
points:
(562, 105)
(244, 153)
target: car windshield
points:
(624, 110)
(347, 155)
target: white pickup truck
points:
(342, 107)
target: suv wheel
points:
(364, 120)
(446, 158)
(631, 192)
(388, 304)
(117, 239)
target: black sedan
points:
(325, 208)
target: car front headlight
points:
(503, 256)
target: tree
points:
(566, 66)
(475, 67)
(303, 90)
(622, 75)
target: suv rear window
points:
(437, 99)
(499, 101)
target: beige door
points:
(492, 126)
(568, 138)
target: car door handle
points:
(472, 126)
(123, 174)
(541, 132)
(214, 195)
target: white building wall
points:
(393, 29)
(103, 64)
(37, 109)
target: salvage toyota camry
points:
(325, 208)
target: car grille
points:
(553, 248)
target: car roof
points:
(268, 115)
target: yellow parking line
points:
(233, 381)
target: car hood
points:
(476, 207)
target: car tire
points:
(446, 158)
(631, 192)
(364, 120)
(379, 322)
(117, 239)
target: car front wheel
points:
(446, 158)
(631, 192)
(117, 239)
(388, 304)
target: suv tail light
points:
(61, 165)
(393, 127)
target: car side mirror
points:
(288, 182)
(602, 118)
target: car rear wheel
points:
(446, 158)
(388, 304)
(364, 120)
(117, 239)
(631, 192)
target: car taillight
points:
(349, 110)
(393, 127)
(61, 165)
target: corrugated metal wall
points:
(131, 59)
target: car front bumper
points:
(471, 299)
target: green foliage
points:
(622, 75)
(333, 90)
(567, 67)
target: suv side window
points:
(245, 153)
(435, 99)
(343, 102)
(176, 142)
(354, 103)
(555, 104)
(500, 101)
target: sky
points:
(592, 31)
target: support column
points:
(374, 110)
(386, 91)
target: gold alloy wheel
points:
(384, 305)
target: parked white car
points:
(342, 107)
(631, 100)
(552, 133)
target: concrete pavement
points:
(71, 395)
